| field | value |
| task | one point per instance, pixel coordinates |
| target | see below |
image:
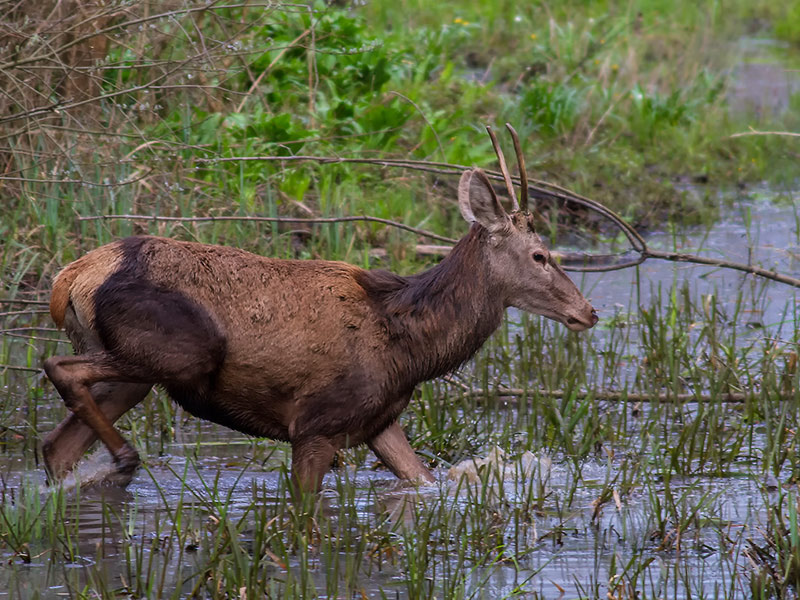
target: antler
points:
(504, 170)
(523, 174)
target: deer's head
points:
(520, 265)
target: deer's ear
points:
(478, 202)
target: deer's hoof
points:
(126, 462)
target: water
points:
(761, 85)
(208, 472)
(756, 230)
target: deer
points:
(321, 354)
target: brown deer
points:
(321, 354)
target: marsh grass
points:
(623, 498)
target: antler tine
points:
(504, 169)
(523, 174)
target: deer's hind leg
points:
(144, 336)
(74, 377)
(66, 444)
(63, 447)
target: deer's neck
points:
(439, 318)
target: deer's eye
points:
(539, 258)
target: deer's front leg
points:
(393, 449)
(311, 459)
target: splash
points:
(501, 469)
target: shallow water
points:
(761, 85)
(569, 552)
(753, 230)
(576, 560)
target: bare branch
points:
(213, 5)
(714, 262)
(78, 181)
(319, 220)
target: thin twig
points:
(319, 220)
(424, 118)
(55, 107)
(28, 328)
(754, 132)
(17, 313)
(120, 26)
(715, 262)
(82, 182)
(266, 71)
(62, 105)
(16, 368)
(17, 301)
(35, 338)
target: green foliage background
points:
(616, 100)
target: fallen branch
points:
(613, 396)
